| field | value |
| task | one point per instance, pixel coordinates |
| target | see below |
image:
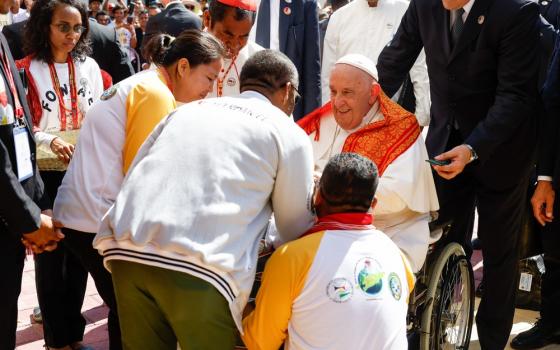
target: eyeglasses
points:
(66, 28)
(296, 94)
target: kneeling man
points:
(360, 118)
(344, 284)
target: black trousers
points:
(61, 285)
(550, 292)
(12, 255)
(80, 244)
(499, 224)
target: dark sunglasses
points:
(66, 28)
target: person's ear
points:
(183, 68)
(375, 91)
(317, 200)
(373, 204)
(286, 93)
(206, 20)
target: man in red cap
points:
(231, 22)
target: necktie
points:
(263, 24)
(458, 25)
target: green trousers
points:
(159, 308)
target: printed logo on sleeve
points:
(340, 290)
(395, 286)
(110, 92)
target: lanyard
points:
(73, 95)
(220, 81)
(12, 85)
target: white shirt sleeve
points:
(293, 188)
(44, 139)
(421, 84)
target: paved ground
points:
(30, 336)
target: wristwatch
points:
(474, 156)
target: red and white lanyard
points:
(12, 85)
(73, 95)
(220, 80)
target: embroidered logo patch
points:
(110, 92)
(369, 276)
(340, 290)
(395, 286)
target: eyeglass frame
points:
(296, 91)
(70, 29)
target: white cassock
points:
(406, 193)
(359, 29)
(229, 75)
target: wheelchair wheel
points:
(448, 315)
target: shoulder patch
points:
(110, 92)
(395, 285)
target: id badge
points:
(23, 154)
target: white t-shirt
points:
(89, 87)
(124, 36)
(333, 290)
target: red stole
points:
(382, 141)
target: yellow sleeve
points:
(410, 278)
(283, 280)
(146, 105)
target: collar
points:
(468, 6)
(254, 94)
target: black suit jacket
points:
(549, 9)
(14, 36)
(298, 30)
(486, 84)
(20, 203)
(549, 152)
(174, 19)
(106, 50)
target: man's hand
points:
(543, 202)
(62, 149)
(459, 157)
(45, 238)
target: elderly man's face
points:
(352, 95)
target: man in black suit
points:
(547, 211)
(482, 58)
(174, 19)
(21, 192)
(106, 50)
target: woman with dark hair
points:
(114, 130)
(62, 84)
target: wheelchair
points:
(441, 306)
